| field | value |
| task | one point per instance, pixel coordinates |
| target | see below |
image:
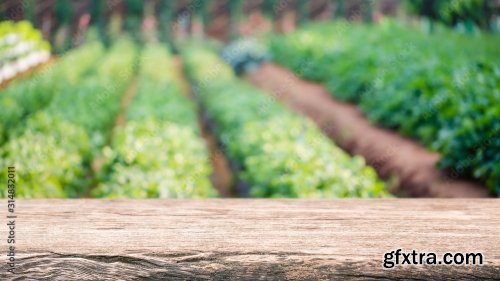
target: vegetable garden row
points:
(442, 89)
(21, 47)
(159, 152)
(60, 120)
(53, 151)
(279, 154)
(57, 123)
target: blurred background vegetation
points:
(62, 21)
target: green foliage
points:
(159, 152)
(21, 48)
(164, 20)
(134, 17)
(54, 151)
(13, 33)
(442, 89)
(48, 158)
(25, 97)
(280, 154)
(152, 158)
(235, 13)
(63, 11)
(452, 12)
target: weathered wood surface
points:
(235, 239)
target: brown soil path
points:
(124, 103)
(222, 177)
(388, 152)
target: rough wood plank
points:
(231, 239)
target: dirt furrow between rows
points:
(389, 153)
(120, 120)
(222, 176)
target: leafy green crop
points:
(280, 154)
(21, 47)
(53, 154)
(443, 89)
(159, 152)
(23, 98)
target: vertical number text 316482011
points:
(11, 219)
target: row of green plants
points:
(24, 97)
(54, 152)
(21, 47)
(279, 154)
(442, 89)
(159, 151)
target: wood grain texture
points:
(238, 239)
